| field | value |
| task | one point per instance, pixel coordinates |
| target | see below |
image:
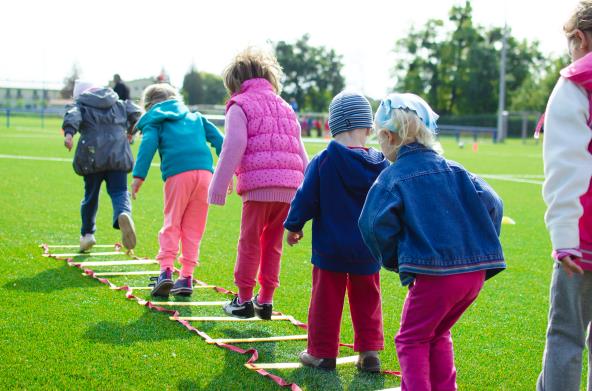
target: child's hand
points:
(136, 184)
(230, 188)
(294, 237)
(570, 267)
(68, 142)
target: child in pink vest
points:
(264, 149)
(567, 190)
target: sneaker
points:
(320, 363)
(183, 287)
(368, 361)
(128, 231)
(262, 311)
(86, 242)
(162, 284)
(244, 310)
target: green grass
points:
(61, 330)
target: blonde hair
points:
(410, 129)
(156, 93)
(252, 63)
(581, 19)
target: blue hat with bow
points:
(408, 102)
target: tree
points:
(312, 75)
(214, 90)
(68, 90)
(193, 90)
(455, 65)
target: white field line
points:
(47, 159)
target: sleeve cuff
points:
(558, 255)
(69, 130)
(217, 199)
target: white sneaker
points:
(86, 242)
(128, 231)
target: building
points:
(29, 95)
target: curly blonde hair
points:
(581, 19)
(252, 63)
(156, 93)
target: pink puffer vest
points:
(271, 158)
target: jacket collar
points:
(409, 149)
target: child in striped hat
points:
(332, 195)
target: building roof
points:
(30, 85)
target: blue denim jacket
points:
(428, 215)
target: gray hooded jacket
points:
(102, 121)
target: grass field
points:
(60, 330)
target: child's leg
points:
(90, 203)
(117, 190)
(566, 332)
(249, 250)
(324, 313)
(193, 224)
(177, 190)
(424, 311)
(366, 311)
(271, 250)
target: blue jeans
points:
(117, 190)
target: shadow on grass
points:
(50, 280)
(148, 328)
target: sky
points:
(41, 40)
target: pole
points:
(502, 87)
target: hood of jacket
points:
(168, 110)
(357, 168)
(101, 98)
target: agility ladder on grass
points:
(226, 343)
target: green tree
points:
(312, 74)
(214, 90)
(455, 64)
(68, 89)
(193, 89)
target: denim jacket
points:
(428, 215)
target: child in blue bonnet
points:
(438, 226)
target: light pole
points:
(501, 111)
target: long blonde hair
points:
(252, 63)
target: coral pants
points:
(260, 248)
(424, 343)
(185, 215)
(326, 307)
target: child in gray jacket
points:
(103, 154)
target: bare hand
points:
(68, 142)
(294, 237)
(136, 184)
(570, 266)
(230, 187)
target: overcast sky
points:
(42, 39)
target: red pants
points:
(260, 248)
(326, 307)
(424, 343)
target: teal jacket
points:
(180, 138)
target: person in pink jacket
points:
(567, 191)
(264, 149)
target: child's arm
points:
(302, 152)
(567, 162)
(492, 202)
(134, 113)
(71, 124)
(146, 153)
(233, 149)
(380, 224)
(213, 135)
(305, 205)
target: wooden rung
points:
(138, 273)
(149, 288)
(294, 365)
(226, 318)
(77, 246)
(117, 263)
(190, 303)
(85, 254)
(262, 339)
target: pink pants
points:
(260, 248)
(326, 307)
(424, 342)
(185, 215)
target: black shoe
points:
(307, 359)
(244, 310)
(162, 284)
(262, 311)
(183, 287)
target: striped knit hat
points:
(347, 111)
